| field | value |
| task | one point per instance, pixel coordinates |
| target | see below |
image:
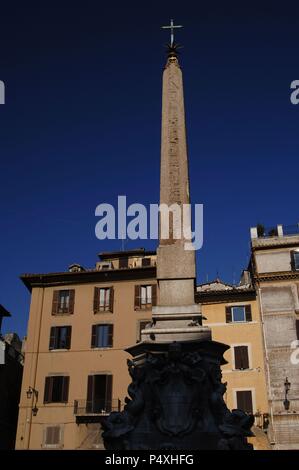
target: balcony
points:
(93, 411)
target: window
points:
(63, 301)
(238, 313)
(297, 329)
(102, 336)
(53, 436)
(295, 260)
(241, 357)
(145, 296)
(99, 393)
(146, 262)
(103, 299)
(56, 389)
(244, 400)
(142, 325)
(60, 337)
(123, 262)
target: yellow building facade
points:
(233, 314)
(80, 323)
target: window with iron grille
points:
(99, 393)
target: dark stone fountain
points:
(176, 402)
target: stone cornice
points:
(236, 295)
(85, 277)
(279, 276)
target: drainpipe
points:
(35, 355)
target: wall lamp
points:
(286, 402)
(31, 391)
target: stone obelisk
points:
(177, 316)
(176, 394)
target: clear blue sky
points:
(81, 125)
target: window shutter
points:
(238, 360)
(55, 302)
(94, 336)
(292, 253)
(108, 397)
(68, 337)
(52, 435)
(65, 389)
(96, 300)
(137, 301)
(244, 401)
(111, 299)
(48, 389)
(297, 328)
(154, 295)
(248, 402)
(72, 301)
(90, 388)
(110, 336)
(248, 314)
(49, 435)
(244, 357)
(228, 314)
(53, 335)
(241, 357)
(56, 435)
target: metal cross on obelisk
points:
(172, 27)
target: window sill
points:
(55, 403)
(59, 349)
(102, 349)
(52, 446)
(143, 309)
(243, 370)
(61, 314)
(102, 311)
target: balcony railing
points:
(96, 407)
